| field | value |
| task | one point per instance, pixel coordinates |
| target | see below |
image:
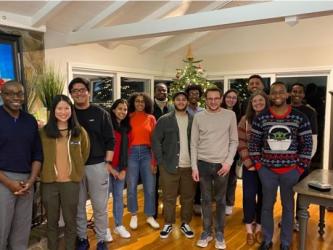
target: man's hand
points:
(112, 171)
(224, 170)
(26, 185)
(195, 175)
(14, 186)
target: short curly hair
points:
(194, 87)
(146, 98)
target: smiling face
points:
(254, 85)
(194, 96)
(213, 101)
(230, 99)
(120, 111)
(62, 111)
(297, 95)
(161, 92)
(278, 95)
(258, 103)
(80, 95)
(180, 103)
(139, 103)
(12, 97)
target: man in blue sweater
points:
(20, 161)
(280, 147)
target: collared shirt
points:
(192, 111)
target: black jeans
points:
(211, 182)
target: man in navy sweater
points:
(280, 147)
(20, 161)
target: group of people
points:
(84, 152)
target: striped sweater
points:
(281, 142)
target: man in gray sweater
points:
(214, 141)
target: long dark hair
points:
(250, 113)
(236, 107)
(51, 127)
(146, 98)
(124, 124)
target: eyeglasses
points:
(231, 97)
(14, 94)
(79, 91)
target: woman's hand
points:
(153, 168)
(122, 175)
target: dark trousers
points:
(197, 196)
(66, 196)
(231, 186)
(210, 181)
(270, 182)
(305, 174)
(252, 196)
(179, 183)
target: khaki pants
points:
(180, 183)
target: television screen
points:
(7, 63)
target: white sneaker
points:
(108, 237)
(121, 230)
(220, 244)
(228, 210)
(204, 240)
(152, 222)
(134, 222)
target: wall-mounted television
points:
(10, 57)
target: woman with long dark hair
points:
(252, 190)
(140, 160)
(66, 149)
(122, 132)
(231, 101)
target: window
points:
(240, 84)
(131, 85)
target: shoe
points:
(250, 239)
(205, 238)
(121, 230)
(220, 244)
(82, 244)
(186, 230)
(152, 222)
(265, 246)
(258, 236)
(108, 236)
(134, 222)
(284, 247)
(101, 245)
(228, 210)
(166, 231)
(197, 209)
(296, 226)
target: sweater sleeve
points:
(85, 144)
(108, 135)
(233, 140)
(194, 143)
(243, 149)
(256, 142)
(304, 143)
(157, 140)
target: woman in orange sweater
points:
(140, 161)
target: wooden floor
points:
(146, 238)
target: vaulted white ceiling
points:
(164, 26)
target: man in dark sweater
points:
(95, 184)
(280, 147)
(161, 107)
(20, 161)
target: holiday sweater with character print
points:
(281, 142)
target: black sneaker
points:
(82, 244)
(166, 231)
(265, 246)
(101, 245)
(284, 247)
(186, 230)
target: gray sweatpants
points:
(95, 185)
(15, 216)
(270, 182)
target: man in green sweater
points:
(214, 141)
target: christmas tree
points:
(193, 73)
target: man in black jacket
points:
(171, 146)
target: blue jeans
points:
(116, 187)
(139, 162)
(211, 182)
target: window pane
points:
(131, 85)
